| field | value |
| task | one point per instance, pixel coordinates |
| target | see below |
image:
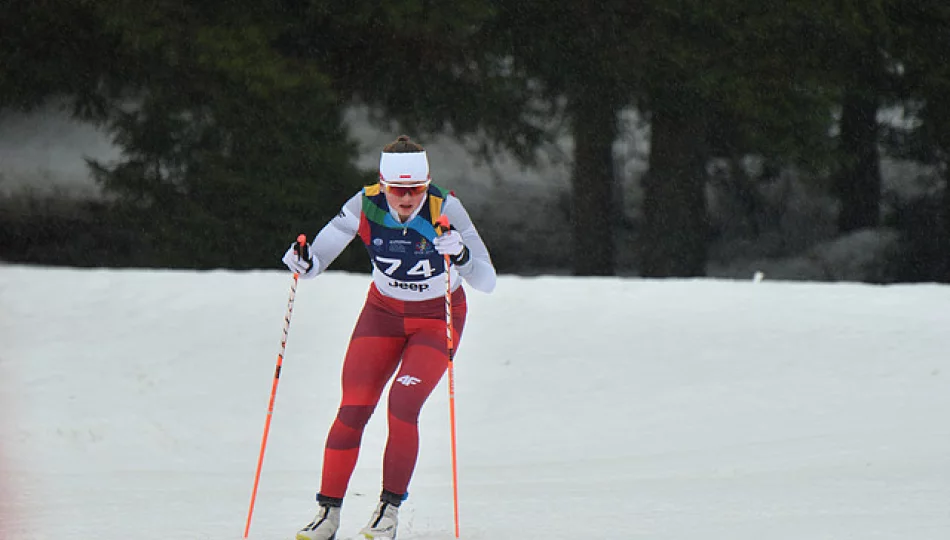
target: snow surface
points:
(132, 405)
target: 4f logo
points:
(408, 380)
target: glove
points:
(450, 243)
(299, 258)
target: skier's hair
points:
(403, 145)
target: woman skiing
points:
(401, 330)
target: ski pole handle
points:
(300, 248)
(442, 224)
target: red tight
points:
(389, 330)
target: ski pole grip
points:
(443, 223)
(301, 247)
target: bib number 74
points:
(422, 267)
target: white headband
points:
(404, 168)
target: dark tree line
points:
(229, 113)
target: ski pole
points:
(443, 226)
(300, 247)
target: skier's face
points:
(404, 199)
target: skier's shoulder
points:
(353, 204)
(347, 219)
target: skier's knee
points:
(355, 416)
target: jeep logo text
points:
(410, 286)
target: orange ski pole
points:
(443, 226)
(301, 245)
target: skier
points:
(401, 329)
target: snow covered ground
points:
(132, 405)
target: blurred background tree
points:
(921, 45)
(230, 119)
(229, 113)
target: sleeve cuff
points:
(462, 258)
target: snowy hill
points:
(133, 404)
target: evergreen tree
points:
(582, 57)
(922, 50)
